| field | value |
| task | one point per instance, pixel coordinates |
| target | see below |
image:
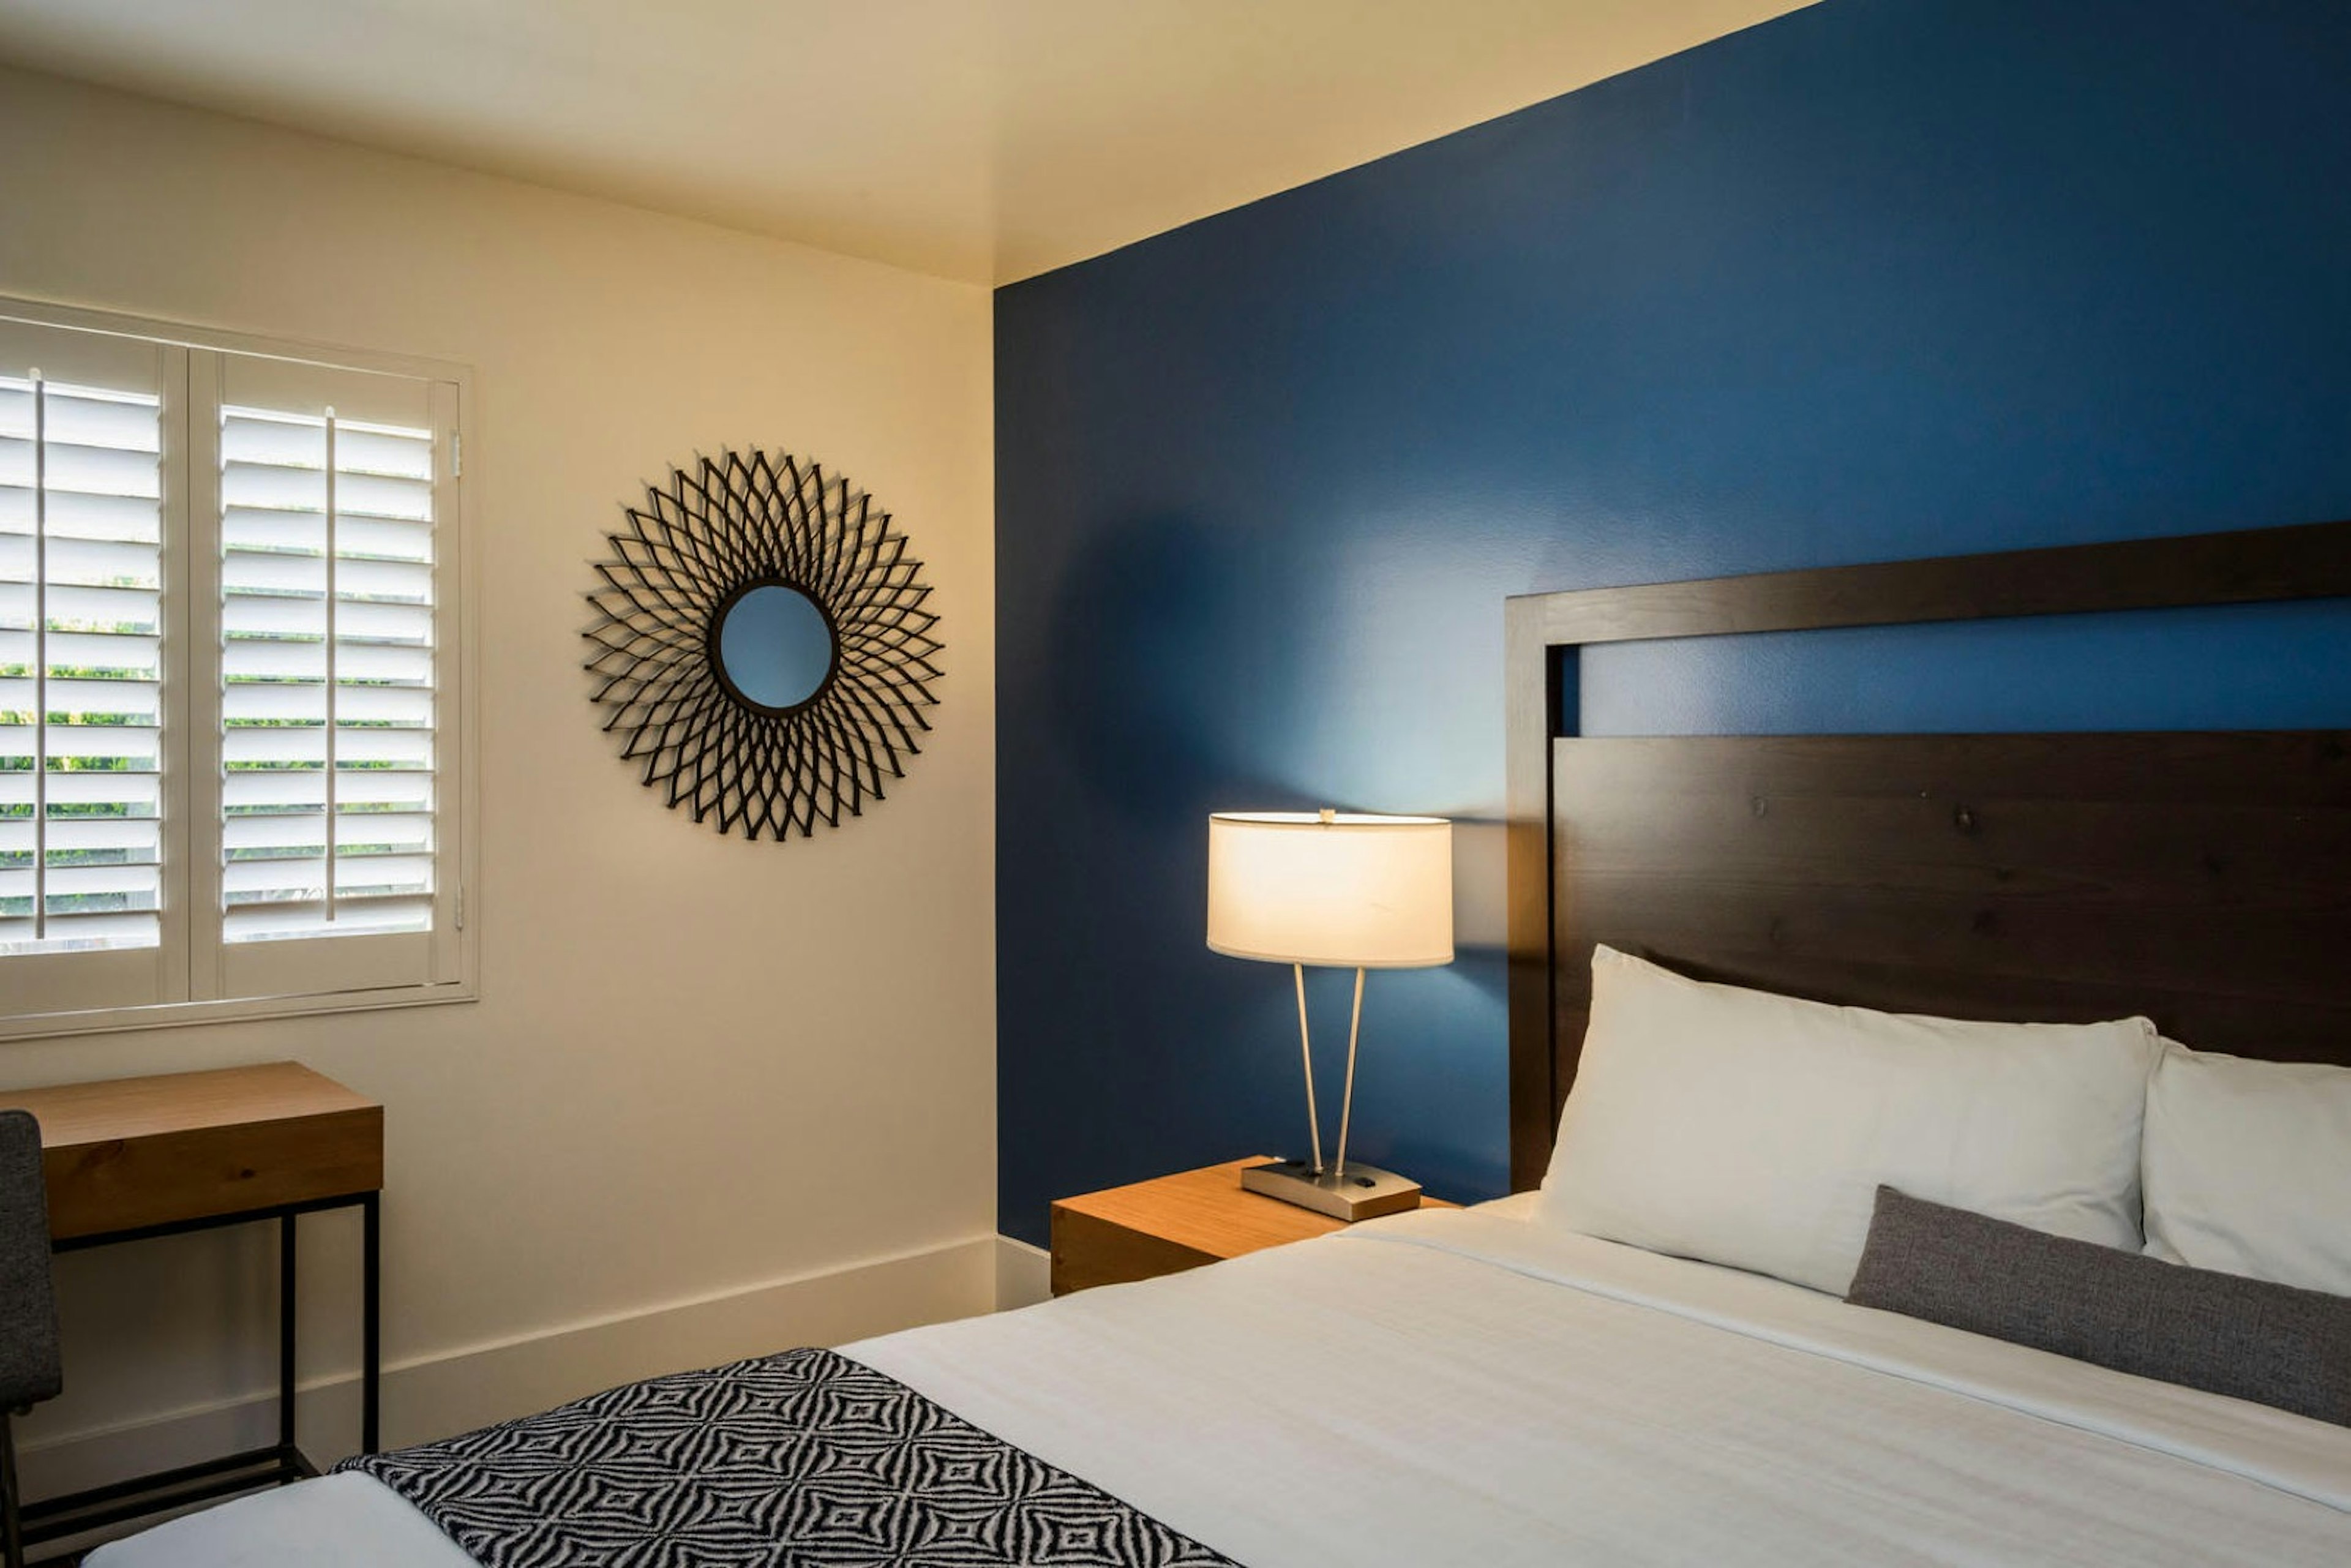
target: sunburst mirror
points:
(762, 644)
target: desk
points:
(131, 1158)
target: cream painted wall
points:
(701, 1069)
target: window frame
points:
(189, 659)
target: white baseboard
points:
(455, 1390)
(1024, 1274)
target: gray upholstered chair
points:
(29, 1369)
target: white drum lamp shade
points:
(1335, 890)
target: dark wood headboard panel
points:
(2201, 878)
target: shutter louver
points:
(328, 667)
(80, 668)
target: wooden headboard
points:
(2202, 878)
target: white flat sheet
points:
(335, 1521)
(1474, 1388)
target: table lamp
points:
(1340, 891)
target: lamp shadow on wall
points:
(1185, 672)
(1174, 669)
(1434, 1096)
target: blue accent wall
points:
(1881, 278)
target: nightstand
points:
(1174, 1223)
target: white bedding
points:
(1443, 1389)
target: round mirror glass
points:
(774, 646)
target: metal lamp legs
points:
(1306, 1051)
(1341, 1191)
(1347, 1106)
(1306, 1055)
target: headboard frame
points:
(2202, 877)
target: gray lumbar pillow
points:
(2250, 1339)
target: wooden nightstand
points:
(1174, 1223)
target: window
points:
(231, 735)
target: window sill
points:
(233, 1010)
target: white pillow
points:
(1751, 1129)
(2248, 1167)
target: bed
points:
(1486, 1387)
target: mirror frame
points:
(699, 543)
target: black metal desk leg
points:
(285, 1278)
(372, 1323)
(12, 1528)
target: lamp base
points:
(1365, 1192)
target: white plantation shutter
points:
(229, 744)
(82, 721)
(329, 661)
(81, 569)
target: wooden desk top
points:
(1209, 1212)
(127, 1154)
(75, 1114)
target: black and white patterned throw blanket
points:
(806, 1459)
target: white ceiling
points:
(984, 140)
